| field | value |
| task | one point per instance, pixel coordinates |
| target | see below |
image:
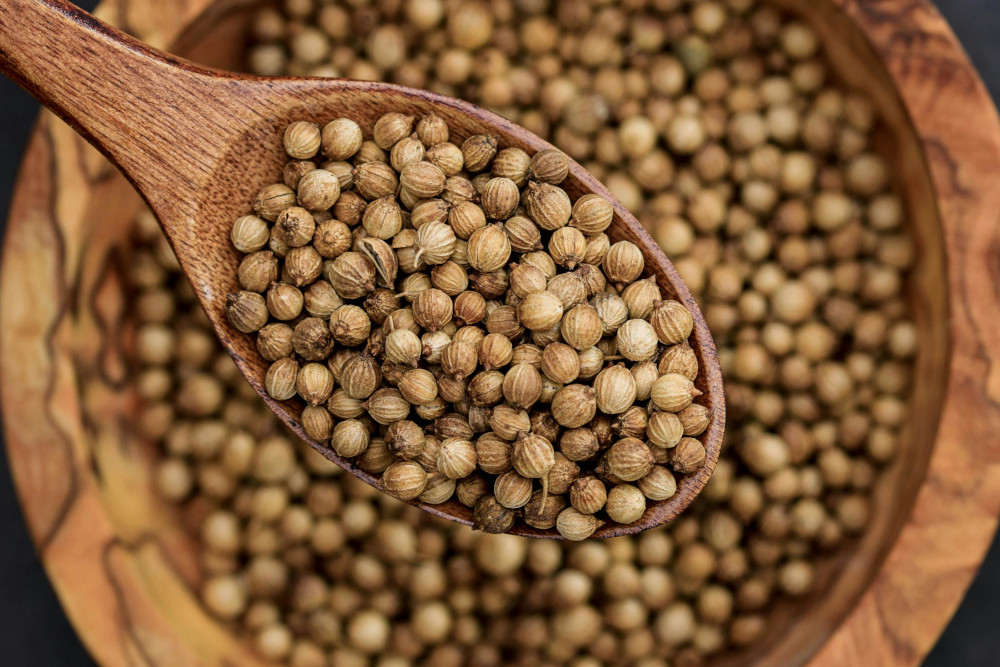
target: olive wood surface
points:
(126, 571)
(198, 144)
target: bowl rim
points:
(921, 581)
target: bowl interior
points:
(164, 571)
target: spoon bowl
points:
(199, 143)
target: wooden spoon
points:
(198, 144)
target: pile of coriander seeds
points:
(456, 324)
(704, 118)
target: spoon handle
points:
(151, 114)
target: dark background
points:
(33, 629)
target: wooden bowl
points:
(126, 570)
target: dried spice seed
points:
(422, 283)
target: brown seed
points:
(562, 475)
(318, 190)
(524, 234)
(495, 351)
(274, 341)
(435, 243)
(658, 484)
(418, 386)
(636, 340)
(581, 327)
(679, 359)
(317, 423)
(695, 419)
(486, 388)
(688, 456)
(478, 151)
(549, 166)
(350, 325)
(597, 250)
(470, 308)
(422, 179)
(294, 227)
(579, 444)
(490, 516)
(349, 208)
(527, 353)
(360, 376)
(512, 490)
(280, 379)
(439, 489)
(640, 298)
(533, 456)
(448, 158)
(432, 130)
(391, 128)
(525, 280)
(588, 495)
(404, 480)
(574, 405)
(491, 285)
(672, 321)
(373, 180)
(466, 218)
(272, 200)
(302, 140)
(560, 362)
(512, 163)
(246, 311)
(623, 263)
(341, 139)
(314, 383)
(500, 198)
(387, 405)
(591, 362)
(383, 218)
(567, 247)
(312, 340)
(503, 321)
(432, 309)
(352, 275)
(456, 458)
(377, 458)
(664, 429)
(508, 422)
(406, 152)
(350, 438)
(626, 504)
(430, 210)
(471, 489)
(540, 311)
(592, 214)
(577, 526)
(542, 510)
(629, 459)
(249, 234)
(570, 289)
(450, 278)
(614, 389)
(405, 439)
(488, 248)
(522, 386)
(673, 392)
(493, 454)
(547, 205)
(332, 239)
(403, 347)
(611, 310)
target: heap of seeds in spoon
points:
(457, 325)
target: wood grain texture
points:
(198, 144)
(884, 602)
